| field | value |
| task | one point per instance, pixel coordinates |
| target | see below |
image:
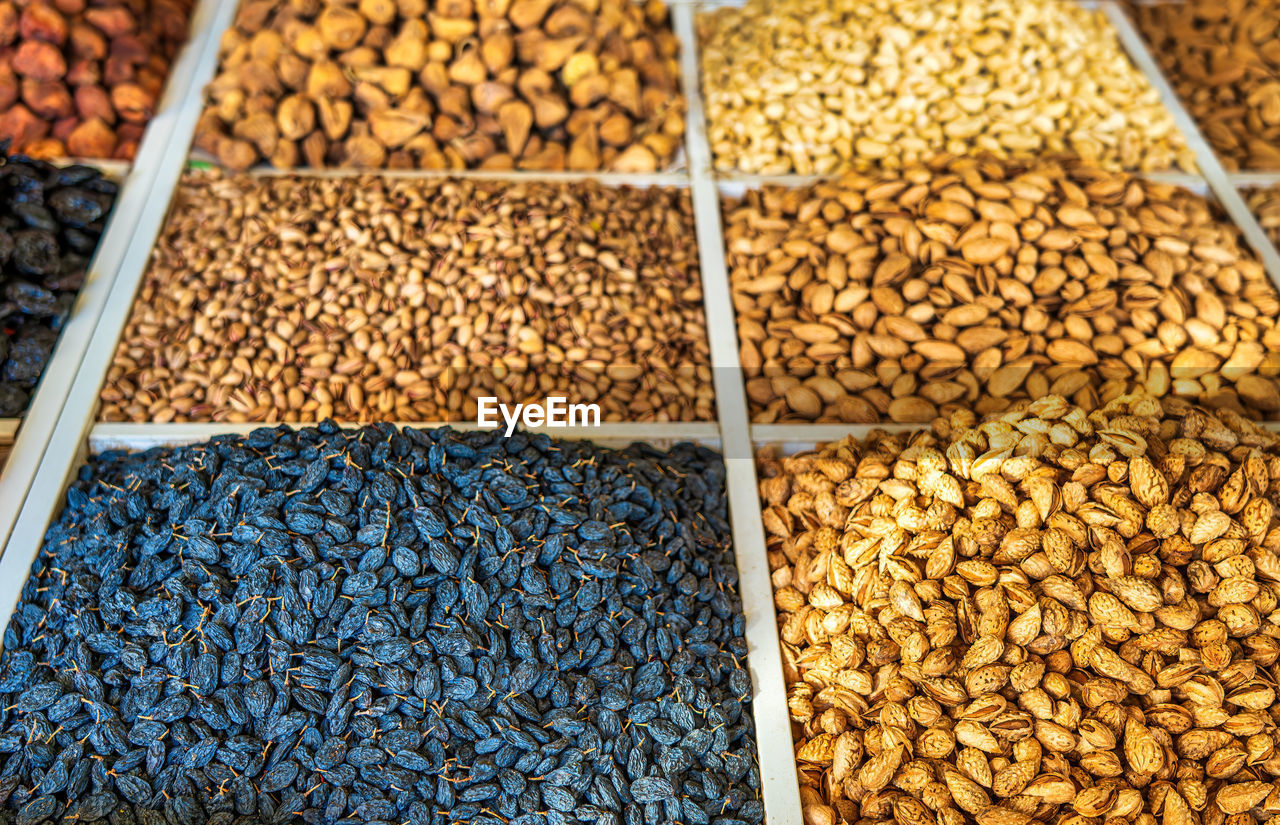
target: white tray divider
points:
(142, 436)
(119, 266)
(31, 446)
(1250, 180)
(779, 784)
(678, 179)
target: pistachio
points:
(370, 298)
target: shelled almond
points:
(1053, 616)
(974, 283)
(447, 84)
(1223, 58)
(286, 298)
(809, 86)
(1265, 203)
(84, 80)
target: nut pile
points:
(50, 221)
(1265, 203)
(1223, 58)
(447, 84)
(809, 86)
(972, 282)
(83, 80)
(371, 299)
(416, 627)
(1053, 616)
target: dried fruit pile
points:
(379, 625)
(812, 86)
(447, 84)
(1050, 616)
(296, 299)
(84, 81)
(971, 282)
(50, 222)
(1223, 57)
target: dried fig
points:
(335, 117)
(295, 118)
(525, 14)
(497, 51)
(340, 28)
(378, 12)
(314, 149)
(392, 128)
(394, 82)
(489, 96)
(209, 130)
(362, 152)
(260, 130)
(285, 156)
(293, 71)
(408, 49)
(236, 155)
(516, 118)
(327, 80)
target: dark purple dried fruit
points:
(375, 625)
(50, 221)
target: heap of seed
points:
(811, 86)
(1223, 57)
(973, 283)
(372, 299)
(1052, 616)
(419, 627)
